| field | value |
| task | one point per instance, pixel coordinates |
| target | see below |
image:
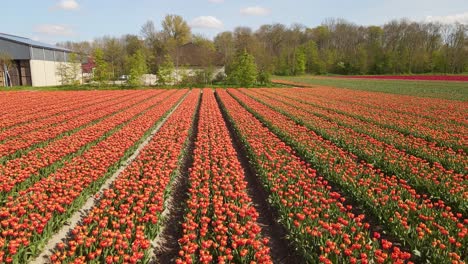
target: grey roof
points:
(31, 42)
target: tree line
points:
(340, 47)
(334, 47)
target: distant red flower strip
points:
(454, 78)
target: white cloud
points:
(54, 30)
(67, 5)
(450, 19)
(206, 22)
(255, 11)
(216, 1)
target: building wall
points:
(45, 73)
(178, 74)
(192, 71)
(14, 50)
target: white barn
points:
(33, 63)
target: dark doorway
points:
(20, 73)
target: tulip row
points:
(320, 225)
(65, 114)
(126, 218)
(12, 146)
(220, 221)
(407, 106)
(15, 148)
(447, 134)
(21, 104)
(19, 108)
(29, 219)
(429, 228)
(419, 147)
(419, 173)
(20, 173)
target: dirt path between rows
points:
(281, 250)
(166, 244)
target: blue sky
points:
(59, 20)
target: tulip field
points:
(264, 175)
(456, 78)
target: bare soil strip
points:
(166, 244)
(76, 218)
(281, 250)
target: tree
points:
(300, 62)
(374, 49)
(176, 32)
(175, 28)
(153, 44)
(5, 63)
(264, 78)
(114, 55)
(74, 66)
(271, 39)
(244, 70)
(336, 46)
(244, 39)
(61, 73)
(165, 72)
(224, 44)
(455, 47)
(314, 64)
(68, 72)
(361, 63)
(132, 44)
(101, 71)
(148, 31)
(137, 64)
